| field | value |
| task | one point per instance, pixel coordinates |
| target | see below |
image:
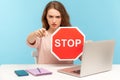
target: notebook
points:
(39, 71)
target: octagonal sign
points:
(67, 43)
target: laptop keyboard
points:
(76, 71)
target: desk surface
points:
(7, 73)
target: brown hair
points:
(58, 6)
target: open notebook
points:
(38, 71)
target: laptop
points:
(96, 58)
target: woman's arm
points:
(31, 39)
(34, 38)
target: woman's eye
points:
(50, 16)
(57, 16)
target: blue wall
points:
(98, 19)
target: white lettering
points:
(63, 40)
(57, 41)
(69, 42)
(77, 42)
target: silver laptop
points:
(96, 58)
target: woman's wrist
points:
(32, 39)
(32, 43)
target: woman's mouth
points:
(54, 25)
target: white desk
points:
(7, 73)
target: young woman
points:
(54, 16)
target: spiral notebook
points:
(39, 71)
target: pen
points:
(39, 70)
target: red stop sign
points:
(67, 43)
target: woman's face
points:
(53, 18)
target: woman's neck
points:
(51, 30)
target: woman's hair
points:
(58, 6)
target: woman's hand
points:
(38, 33)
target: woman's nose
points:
(54, 20)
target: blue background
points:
(97, 19)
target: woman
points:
(54, 16)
